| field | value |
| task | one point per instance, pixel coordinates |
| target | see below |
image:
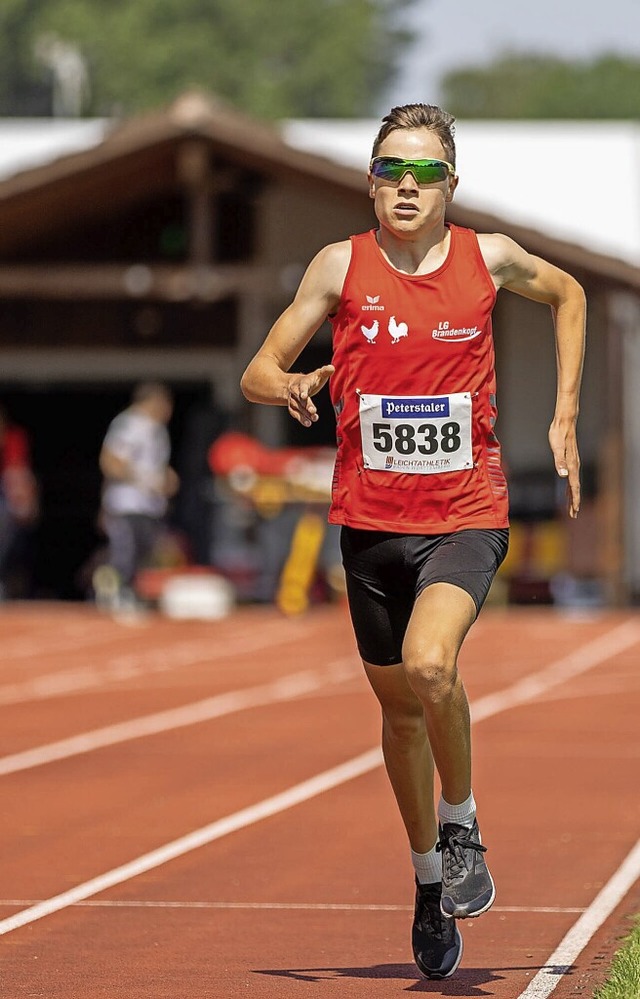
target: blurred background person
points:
(18, 502)
(138, 483)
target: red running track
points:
(224, 827)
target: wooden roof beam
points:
(134, 281)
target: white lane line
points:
(587, 656)
(551, 909)
(311, 906)
(285, 689)
(563, 957)
(597, 651)
(29, 647)
(200, 837)
(130, 665)
(611, 644)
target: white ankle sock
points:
(462, 814)
(428, 866)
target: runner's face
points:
(406, 207)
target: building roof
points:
(576, 181)
(52, 169)
(51, 149)
(136, 157)
(32, 142)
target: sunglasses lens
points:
(432, 173)
(424, 171)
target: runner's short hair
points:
(420, 116)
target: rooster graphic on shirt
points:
(371, 332)
(397, 330)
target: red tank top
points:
(414, 395)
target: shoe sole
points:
(437, 976)
(463, 911)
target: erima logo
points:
(372, 305)
(444, 332)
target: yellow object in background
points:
(300, 568)
(269, 495)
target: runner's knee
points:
(431, 672)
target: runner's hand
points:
(301, 388)
(564, 446)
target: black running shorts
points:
(386, 572)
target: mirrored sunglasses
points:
(425, 171)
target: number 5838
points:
(427, 438)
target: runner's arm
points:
(267, 378)
(532, 277)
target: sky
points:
(454, 33)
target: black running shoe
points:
(436, 940)
(467, 887)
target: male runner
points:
(418, 486)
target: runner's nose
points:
(407, 182)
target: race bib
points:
(418, 435)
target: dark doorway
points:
(323, 432)
(66, 424)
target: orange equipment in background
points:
(270, 479)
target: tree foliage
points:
(272, 58)
(538, 86)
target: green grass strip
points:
(624, 975)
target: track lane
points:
(208, 659)
(176, 666)
(318, 826)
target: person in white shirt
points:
(139, 481)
